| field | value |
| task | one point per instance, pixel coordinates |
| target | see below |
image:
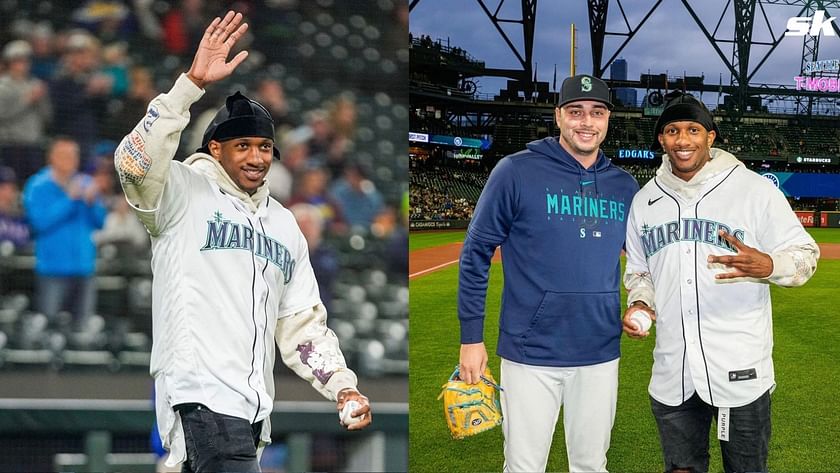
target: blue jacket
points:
(561, 228)
(61, 228)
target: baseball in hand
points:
(347, 411)
(642, 320)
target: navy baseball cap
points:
(239, 117)
(584, 87)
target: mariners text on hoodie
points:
(561, 229)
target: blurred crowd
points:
(440, 192)
(431, 204)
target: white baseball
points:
(642, 320)
(347, 411)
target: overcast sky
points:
(670, 41)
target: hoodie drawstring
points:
(580, 179)
(594, 179)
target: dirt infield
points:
(428, 260)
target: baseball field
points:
(806, 420)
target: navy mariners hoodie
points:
(561, 228)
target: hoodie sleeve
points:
(311, 350)
(792, 249)
(143, 157)
(494, 214)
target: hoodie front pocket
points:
(570, 327)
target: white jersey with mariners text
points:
(222, 278)
(713, 337)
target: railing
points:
(381, 447)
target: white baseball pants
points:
(531, 403)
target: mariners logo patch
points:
(772, 178)
(151, 116)
(585, 84)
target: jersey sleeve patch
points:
(131, 160)
(322, 363)
(151, 116)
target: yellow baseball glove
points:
(471, 409)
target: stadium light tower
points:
(527, 20)
(741, 42)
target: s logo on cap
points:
(585, 84)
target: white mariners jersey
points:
(222, 277)
(714, 337)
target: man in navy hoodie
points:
(558, 210)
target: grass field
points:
(825, 235)
(421, 240)
(806, 423)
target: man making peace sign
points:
(704, 238)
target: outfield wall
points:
(824, 218)
(438, 224)
(830, 219)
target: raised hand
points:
(210, 61)
(748, 263)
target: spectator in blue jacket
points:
(64, 208)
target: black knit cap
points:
(683, 107)
(239, 117)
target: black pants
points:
(684, 435)
(218, 442)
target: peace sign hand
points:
(748, 263)
(210, 61)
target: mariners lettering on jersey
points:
(693, 229)
(584, 206)
(224, 235)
